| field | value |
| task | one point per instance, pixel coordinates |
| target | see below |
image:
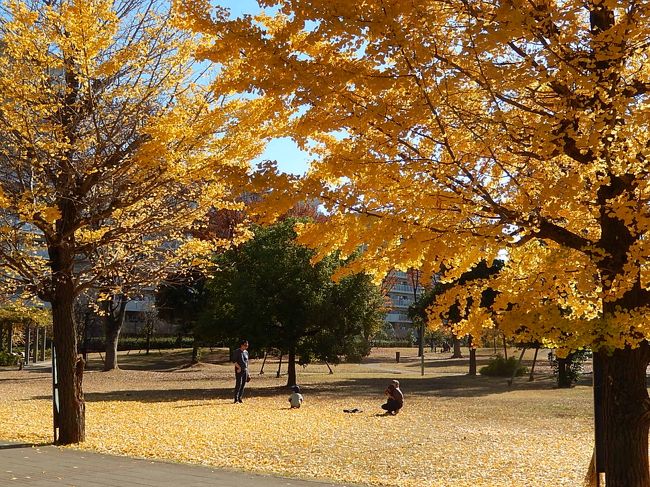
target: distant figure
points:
(445, 347)
(240, 357)
(395, 399)
(296, 398)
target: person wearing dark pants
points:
(242, 376)
(395, 400)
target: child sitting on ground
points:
(296, 398)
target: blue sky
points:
(290, 159)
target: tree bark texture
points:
(72, 408)
(626, 417)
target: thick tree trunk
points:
(291, 364)
(457, 352)
(112, 327)
(626, 417)
(72, 409)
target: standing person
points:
(296, 398)
(395, 399)
(240, 357)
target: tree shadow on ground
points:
(449, 386)
(32, 377)
(171, 395)
(154, 361)
(441, 386)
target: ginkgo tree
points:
(111, 155)
(447, 132)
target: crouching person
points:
(296, 399)
(395, 399)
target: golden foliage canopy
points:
(447, 132)
(112, 151)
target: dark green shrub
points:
(392, 343)
(573, 366)
(500, 367)
(7, 359)
(139, 342)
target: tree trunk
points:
(37, 338)
(195, 352)
(505, 348)
(112, 327)
(266, 353)
(563, 380)
(28, 345)
(514, 372)
(421, 340)
(72, 408)
(330, 368)
(531, 377)
(277, 376)
(626, 417)
(291, 364)
(457, 352)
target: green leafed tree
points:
(268, 291)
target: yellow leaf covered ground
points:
(454, 430)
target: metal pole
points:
(600, 455)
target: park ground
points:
(455, 430)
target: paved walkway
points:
(49, 466)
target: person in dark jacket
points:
(240, 357)
(395, 400)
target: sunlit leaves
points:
(111, 147)
(446, 133)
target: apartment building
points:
(402, 290)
